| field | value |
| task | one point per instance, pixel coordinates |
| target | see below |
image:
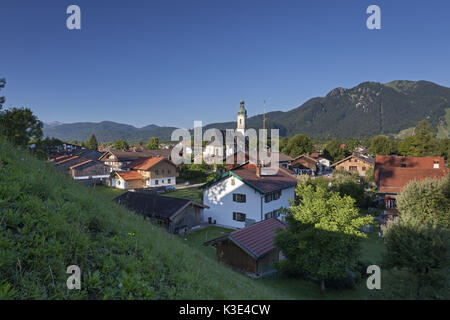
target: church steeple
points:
(241, 118)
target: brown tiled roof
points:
(368, 160)
(385, 162)
(257, 239)
(144, 163)
(130, 155)
(265, 183)
(81, 163)
(308, 158)
(129, 175)
(393, 180)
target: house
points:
(145, 173)
(356, 163)
(117, 160)
(246, 194)
(284, 160)
(156, 171)
(126, 180)
(393, 173)
(82, 164)
(174, 214)
(250, 250)
(305, 164)
(90, 170)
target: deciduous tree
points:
(323, 233)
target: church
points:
(214, 150)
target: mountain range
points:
(369, 109)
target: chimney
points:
(258, 170)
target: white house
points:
(244, 195)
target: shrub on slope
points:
(48, 222)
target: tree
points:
(419, 248)
(48, 146)
(421, 143)
(419, 242)
(298, 144)
(322, 236)
(92, 143)
(380, 145)
(427, 200)
(121, 144)
(153, 143)
(334, 152)
(2, 85)
(20, 126)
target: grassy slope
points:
(48, 222)
(194, 194)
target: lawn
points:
(372, 250)
(199, 237)
(194, 194)
(109, 192)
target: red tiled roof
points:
(265, 183)
(144, 163)
(393, 180)
(384, 162)
(258, 238)
(129, 175)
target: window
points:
(436, 164)
(272, 214)
(169, 180)
(239, 197)
(233, 182)
(238, 216)
(276, 195)
(156, 182)
(157, 171)
(272, 196)
(353, 168)
(363, 168)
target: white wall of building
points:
(219, 198)
(161, 182)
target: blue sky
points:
(172, 62)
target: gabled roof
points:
(130, 155)
(393, 180)
(257, 239)
(263, 184)
(145, 163)
(387, 162)
(129, 175)
(306, 157)
(155, 206)
(366, 159)
(82, 163)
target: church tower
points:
(241, 118)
